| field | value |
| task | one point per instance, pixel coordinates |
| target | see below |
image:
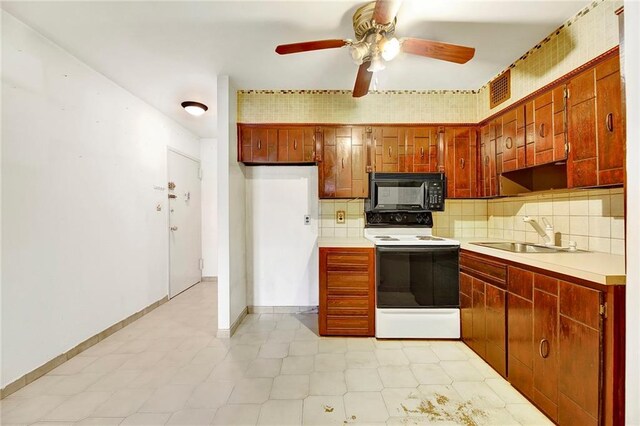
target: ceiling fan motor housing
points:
(363, 23)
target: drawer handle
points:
(609, 122)
(543, 348)
(421, 152)
(541, 132)
(295, 144)
(259, 144)
(462, 163)
(508, 143)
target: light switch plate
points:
(340, 216)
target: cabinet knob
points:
(259, 144)
(295, 144)
(389, 151)
(421, 152)
(462, 163)
(508, 143)
(608, 122)
(343, 163)
(541, 131)
(486, 160)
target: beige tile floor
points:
(169, 368)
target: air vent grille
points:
(500, 89)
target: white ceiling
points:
(167, 52)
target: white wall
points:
(83, 246)
(209, 164)
(632, 74)
(232, 275)
(282, 257)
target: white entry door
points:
(185, 249)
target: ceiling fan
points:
(374, 25)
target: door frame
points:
(171, 150)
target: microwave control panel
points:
(435, 195)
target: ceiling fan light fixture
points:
(376, 64)
(390, 48)
(194, 108)
(359, 51)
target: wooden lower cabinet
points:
(347, 291)
(556, 339)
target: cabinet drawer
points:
(348, 325)
(345, 282)
(355, 261)
(340, 305)
(484, 268)
(521, 282)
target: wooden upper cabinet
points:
(422, 149)
(543, 128)
(596, 133)
(342, 172)
(610, 130)
(259, 144)
(390, 147)
(460, 162)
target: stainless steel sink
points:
(521, 247)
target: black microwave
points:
(407, 192)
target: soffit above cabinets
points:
(168, 52)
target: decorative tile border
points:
(348, 92)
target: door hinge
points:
(200, 173)
(603, 309)
(201, 263)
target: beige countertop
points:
(344, 242)
(602, 268)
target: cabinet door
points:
(422, 142)
(466, 312)
(520, 326)
(530, 134)
(488, 164)
(295, 145)
(360, 177)
(344, 178)
(545, 338)
(498, 143)
(327, 173)
(582, 164)
(388, 142)
(495, 326)
(244, 134)
(264, 145)
(478, 318)
(544, 135)
(559, 123)
(461, 162)
(611, 134)
(580, 346)
(509, 136)
(521, 161)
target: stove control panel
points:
(389, 219)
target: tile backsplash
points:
(593, 218)
(354, 223)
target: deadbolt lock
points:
(172, 185)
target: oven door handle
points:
(416, 249)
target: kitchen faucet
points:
(547, 235)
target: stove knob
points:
(398, 217)
(377, 218)
(419, 218)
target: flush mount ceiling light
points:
(194, 108)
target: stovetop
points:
(406, 236)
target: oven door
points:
(417, 277)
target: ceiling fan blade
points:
(386, 10)
(438, 50)
(285, 49)
(363, 80)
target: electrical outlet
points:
(307, 219)
(340, 216)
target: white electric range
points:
(417, 288)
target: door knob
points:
(174, 228)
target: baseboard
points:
(283, 309)
(79, 348)
(226, 333)
(209, 279)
